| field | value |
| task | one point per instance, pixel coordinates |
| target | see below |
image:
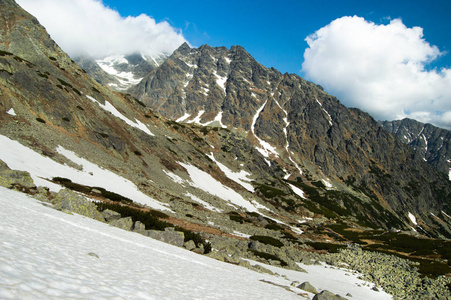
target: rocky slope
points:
(431, 143)
(301, 129)
(282, 167)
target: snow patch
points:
(325, 111)
(266, 149)
(126, 79)
(11, 112)
(242, 177)
(412, 218)
(221, 81)
(297, 191)
(203, 203)
(206, 182)
(19, 157)
(183, 118)
(110, 108)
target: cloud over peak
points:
(88, 27)
(380, 69)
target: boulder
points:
(111, 215)
(10, 178)
(123, 223)
(190, 245)
(175, 238)
(70, 201)
(326, 295)
(306, 286)
(139, 227)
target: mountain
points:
(431, 143)
(304, 132)
(259, 166)
(120, 72)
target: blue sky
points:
(274, 31)
(391, 59)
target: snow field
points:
(47, 254)
(19, 157)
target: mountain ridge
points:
(284, 163)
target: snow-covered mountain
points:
(261, 168)
(120, 72)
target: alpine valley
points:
(208, 150)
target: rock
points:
(93, 255)
(255, 245)
(9, 178)
(139, 227)
(326, 295)
(175, 238)
(69, 200)
(123, 223)
(111, 215)
(306, 286)
(190, 245)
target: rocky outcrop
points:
(306, 286)
(429, 142)
(169, 236)
(326, 295)
(67, 200)
(14, 178)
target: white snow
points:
(446, 215)
(297, 191)
(175, 178)
(19, 157)
(240, 234)
(110, 108)
(337, 280)
(183, 118)
(228, 60)
(218, 119)
(221, 81)
(266, 148)
(11, 112)
(205, 182)
(242, 177)
(47, 254)
(126, 79)
(327, 183)
(203, 203)
(412, 218)
(197, 118)
(325, 111)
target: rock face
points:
(431, 143)
(68, 200)
(175, 238)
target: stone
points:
(189, 245)
(255, 245)
(326, 295)
(175, 238)
(306, 286)
(111, 215)
(123, 223)
(139, 227)
(9, 178)
(68, 200)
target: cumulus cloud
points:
(380, 69)
(88, 27)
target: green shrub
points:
(76, 91)
(52, 58)
(137, 152)
(64, 83)
(267, 240)
(65, 119)
(268, 256)
(3, 53)
(95, 90)
(40, 120)
(79, 107)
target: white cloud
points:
(88, 27)
(380, 69)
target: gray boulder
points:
(9, 178)
(175, 238)
(306, 286)
(326, 295)
(139, 227)
(68, 200)
(111, 215)
(123, 223)
(190, 245)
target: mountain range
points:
(216, 144)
